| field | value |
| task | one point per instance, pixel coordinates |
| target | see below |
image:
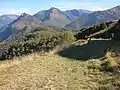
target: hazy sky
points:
(33, 6)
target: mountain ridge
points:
(6, 19)
(53, 17)
(96, 18)
(23, 21)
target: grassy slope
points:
(53, 72)
(103, 31)
(93, 49)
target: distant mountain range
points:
(23, 22)
(76, 13)
(96, 18)
(53, 17)
(6, 19)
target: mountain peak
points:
(53, 8)
(24, 15)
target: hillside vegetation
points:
(59, 60)
(53, 72)
(35, 41)
(105, 30)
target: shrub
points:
(68, 36)
(36, 41)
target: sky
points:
(33, 6)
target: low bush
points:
(36, 42)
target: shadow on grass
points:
(94, 50)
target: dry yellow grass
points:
(52, 72)
(112, 60)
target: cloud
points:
(78, 5)
(98, 9)
(21, 6)
(93, 5)
(15, 11)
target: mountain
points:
(6, 19)
(23, 22)
(53, 17)
(96, 17)
(76, 13)
(59, 18)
